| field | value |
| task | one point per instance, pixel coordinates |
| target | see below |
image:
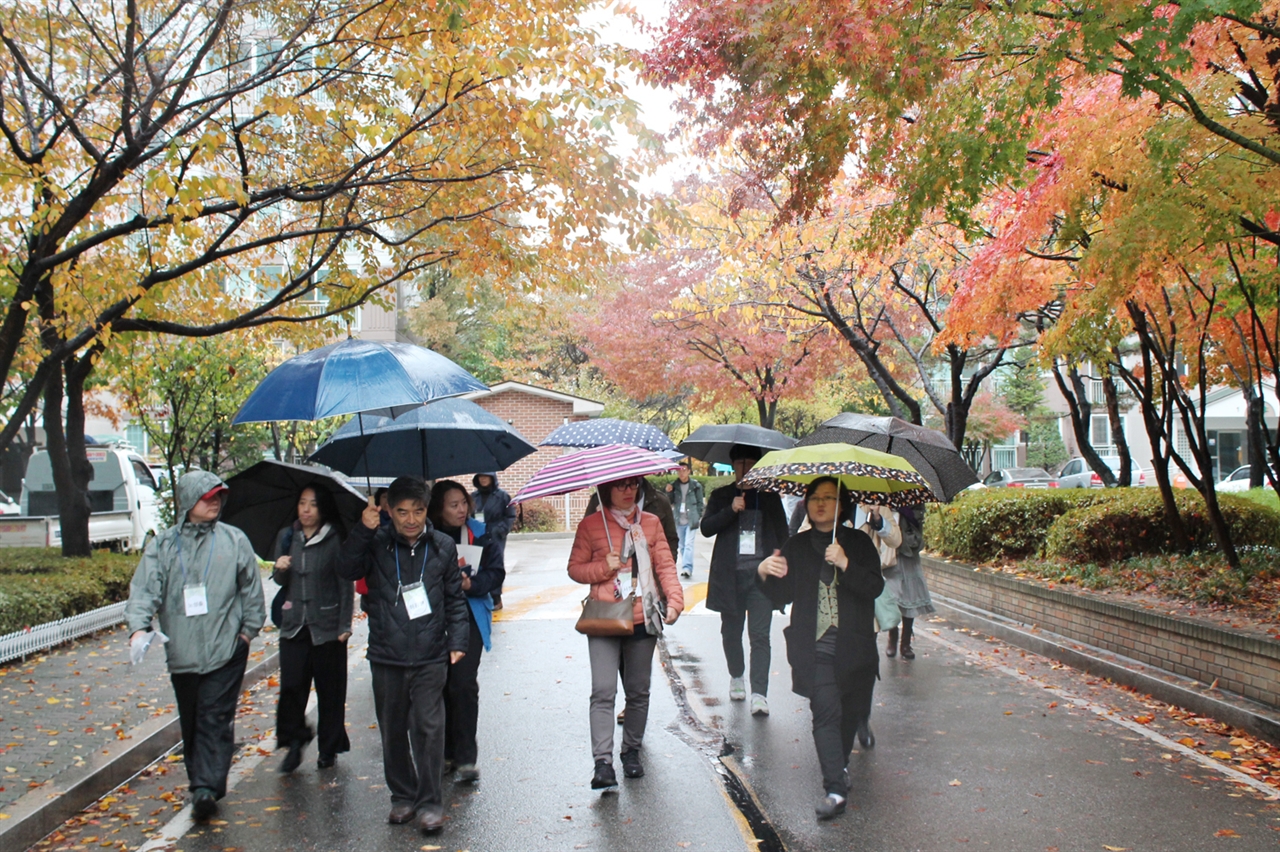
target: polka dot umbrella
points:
(607, 430)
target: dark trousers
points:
(301, 664)
(207, 714)
(836, 714)
(409, 702)
(462, 702)
(755, 610)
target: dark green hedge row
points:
(1085, 525)
(38, 585)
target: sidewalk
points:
(77, 720)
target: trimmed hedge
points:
(536, 516)
(1133, 524)
(39, 585)
(1003, 523)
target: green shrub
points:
(38, 585)
(709, 483)
(1134, 524)
(536, 516)
(1003, 523)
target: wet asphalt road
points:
(978, 746)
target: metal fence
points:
(44, 636)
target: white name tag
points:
(196, 600)
(415, 600)
(747, 543)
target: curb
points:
(1235, 710)
(40, 812)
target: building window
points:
(1099, 431)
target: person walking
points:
(905, 578)
(314, 628)
(831, 641)
(450, 511)
(747, 525)
(617, 551)
(687, 502)
(200, 580)
(418, 627)
(493, 507)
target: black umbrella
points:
(712, 443)
(443, 438)
(930, 452)
(264, 498)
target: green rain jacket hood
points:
(215, 555)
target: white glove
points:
(138, 647)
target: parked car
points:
(1020, 477)
(1077, 473)
(1238, 480)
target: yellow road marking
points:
(694, 595)
(514, 610)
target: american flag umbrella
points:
(606, 430)
(591, 467)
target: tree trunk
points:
(1117, 430)
(1253, 419)
(69, 461)
(1081, 415)
(767, 411)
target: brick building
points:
(535, 412)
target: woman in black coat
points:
(450, 511)
(831, 642)
(315, 624)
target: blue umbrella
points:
(606, 430)
(355, 376)
(443, 438)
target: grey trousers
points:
(409, 702)
(635, 655)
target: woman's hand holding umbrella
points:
(836, 556)
(283, 563)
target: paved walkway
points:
(73, 710)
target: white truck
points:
(122, 501)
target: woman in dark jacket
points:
(831, 642)
(450, 511)
(315, 625)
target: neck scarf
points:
(635, 542)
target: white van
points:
(122, 500)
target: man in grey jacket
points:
(687, 503)
(200, 578)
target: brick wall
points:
(1245, 665)
(535, 417)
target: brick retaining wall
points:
(1245, 665)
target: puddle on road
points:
(713, 745)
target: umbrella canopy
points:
(930, 452)
(447, 437)
(355, 376)
(870, 475)
(591, 467)
(712, 443)
(264, 498)
(606, 430)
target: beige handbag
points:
(609, 618)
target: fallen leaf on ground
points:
(1225, 832)
(954, 782)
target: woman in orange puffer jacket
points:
(618, 550)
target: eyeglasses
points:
(626, 484)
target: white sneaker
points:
(759, 705)
(737, 689)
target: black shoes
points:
(865, 737)
(905, 649)
(892, 649)
(631, 766)
(203, 804)
(293, 759)
(400, 814)
(829, 806)
(604, 777)
(324, 761)
(431, 820)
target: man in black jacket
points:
(418, 627)
(748, 525)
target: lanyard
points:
(421, 574)
(182, 563)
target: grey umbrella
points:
(929, 451)
(712, 443)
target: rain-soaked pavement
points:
(978, 746)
